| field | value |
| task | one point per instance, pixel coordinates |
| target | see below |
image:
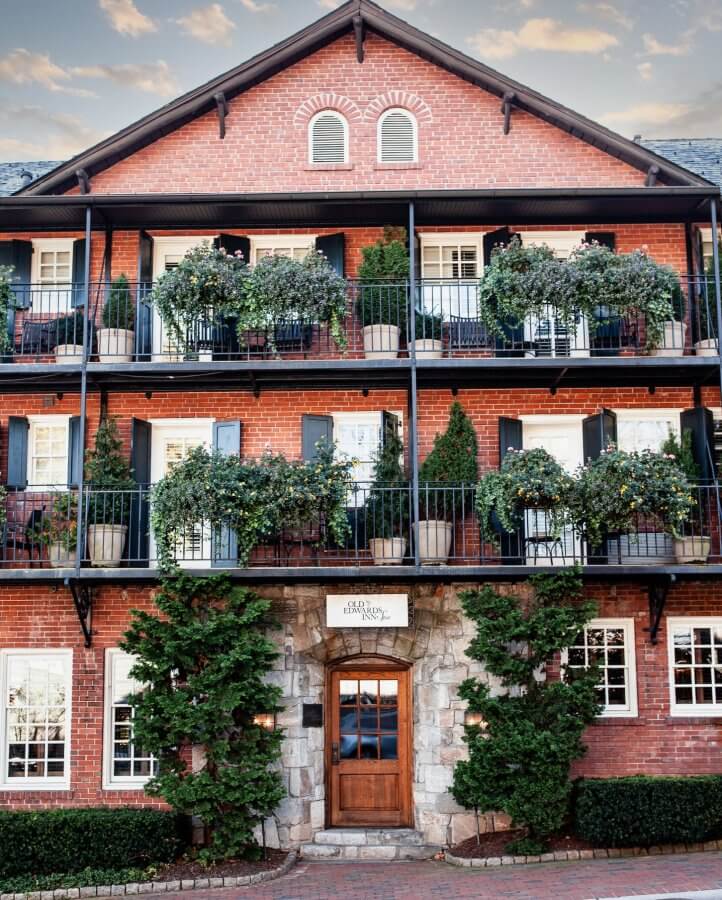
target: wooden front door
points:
(369, 746)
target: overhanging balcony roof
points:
(346, 209)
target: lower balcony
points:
(40, 539)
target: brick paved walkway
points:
(431, 880)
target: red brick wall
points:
(461, 143)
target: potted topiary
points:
(110, 486)
(446, 479)
(116, 340)
(387, 505)
(283, 298)
(429, 333)
(630, 495)
(57, 530)
(383, 297)
(688, 548)
(68, 333)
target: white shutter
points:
(328, 138)
(397, 140)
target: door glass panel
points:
(389, 691)
(348, 691)
(369, 746)
(349, 746)
(369, 691)
(389, 748)
(369, 719)
(388, 720)
(349, 719)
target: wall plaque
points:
(312, 715)
(367, 610)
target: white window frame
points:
(53, 298)
(440, 294)
(649, 415)
(33, 422)
(344, 123)
(35, 784)
(630, 710)
(439, 238)
(373, 417)
(111, 781)
(562, 243)
(687, 710)
(414, 132)
(54, 245)
(272, 241)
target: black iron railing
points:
(42, 523)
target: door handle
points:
(334, 753)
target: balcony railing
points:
(42, 524)
(449, 322)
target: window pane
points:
(368, 692)
(369, 746)
(349, 719)
(349, 746)
(369, 719)
(388, 691)
(389, 748)
(348, 691)
(388, 720)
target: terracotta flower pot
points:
(692, 549)
(69, 354)
(388, 551)
(428, 349)
(60, 557)
(115, 345)
(106, 544)
(434, 541)
(381, 341)
(673, 341)
(707, 347)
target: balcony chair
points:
(467, 334)
(19, 537)
(37, 338)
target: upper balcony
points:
(450, 335)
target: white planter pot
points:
(648, 548)
(61, 558)
(692, 549)
(106, 544)
(708, 347)
(434, 541)
(115, 345)
(673, 341)
(67, 354)
(381, 341)
(388, 551)
(428, 349)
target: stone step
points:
(362, 837)
(368, 844)
(368, 853)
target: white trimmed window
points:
(451, 263)
(126, 764)
(608, 643)
(297, 246)
(695, 666)
(645, 429)
(51, 272)
(35, 719)
(397, 139)
(328, 138)
(48, 438)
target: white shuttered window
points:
(328, 138)
(397, 138)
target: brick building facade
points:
(235, 161)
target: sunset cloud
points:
(209, 24)
(125, 17)
(540, 34)
(22, 66)
(153, 78)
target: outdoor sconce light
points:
(472, 719)
(265, 720)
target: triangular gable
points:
(356, 18)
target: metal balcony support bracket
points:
(359, 34)
(83, 181)
(222, 110)
(506, 107)
(82, 595)
(651, 178)
(254, 385)
(557, 381)
(657, 591)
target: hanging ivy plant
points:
(7, 300)
(256, 499)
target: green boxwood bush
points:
(70, 840)
(642, 811)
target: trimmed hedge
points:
(70, 840)
(642, 811)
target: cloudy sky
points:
(74, 71)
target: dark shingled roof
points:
(10, 174)
(700, 155)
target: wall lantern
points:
(265, 720)
(475, 720)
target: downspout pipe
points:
(717, 290)
(413, 424)
(84, 388)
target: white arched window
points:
(328, 138)
(397, 137)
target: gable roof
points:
(700, 155)
(11, 174)
(354, 16)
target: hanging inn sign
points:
(367, 610)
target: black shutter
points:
(226, 440)
(314, 429)
(231, 243)
(598, 432)
(140, 445)
(78, 272)
(143, 311)
(18, 255)
(510, 438)
(700, 422)
(605, 238)
(75, 453)
(333, 247)
(18, 427)
(390, 427)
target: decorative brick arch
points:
(402, 99)
(327, 100)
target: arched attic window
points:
(328, 138)
(397, 137)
